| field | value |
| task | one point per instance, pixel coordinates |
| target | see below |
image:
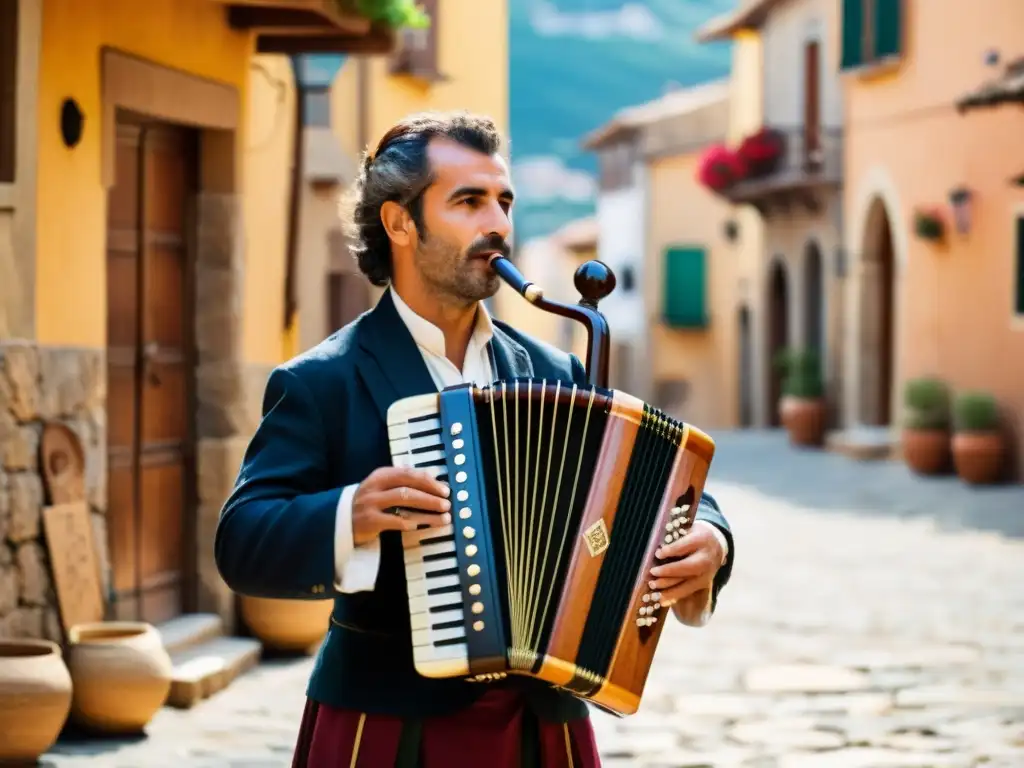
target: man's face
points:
(466, 216)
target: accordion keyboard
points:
(437, 611)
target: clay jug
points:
(121, 673)
(35, 697)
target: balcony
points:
(808, 166)
(307, 26)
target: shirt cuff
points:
(355, 567)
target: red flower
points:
(720, 168)
(765, 145)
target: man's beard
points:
(454, 276)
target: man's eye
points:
(472, 202)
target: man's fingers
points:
(385, 478)
(682, 591)
(681, 547)
(408, 498)
(694, 565)
(411, 521)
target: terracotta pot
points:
(121, 672)
(287, 625)
(804, 418)
(926, 451)
(978, 456)
(35, 698)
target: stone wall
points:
(39, 385)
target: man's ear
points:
(397, 223)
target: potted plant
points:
(978, 445)
(929, 224)
(802, 407)
(391, 13)
(719, 168)
(926, 421)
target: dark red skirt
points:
(497, 731)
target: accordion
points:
(561, 495)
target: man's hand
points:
(695, 559)
(389, 487)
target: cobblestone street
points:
(874, 620)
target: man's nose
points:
(498, 222)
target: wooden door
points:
(149, 368)
(812, 102)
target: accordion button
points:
(468, 532)
(477, 608)
(457, 428)
(458, 443)
(462, 495)
(474, 589)
(473, 570)
(478, 626)
(471, 550)
(465, 513)
(460, 459)
(460, 477)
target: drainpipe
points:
(294, 201)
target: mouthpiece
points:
(594, 280)
(507, 271)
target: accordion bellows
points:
(560, 497)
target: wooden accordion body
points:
(560, 496)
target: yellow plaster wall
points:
(683, 213)
(190, 35)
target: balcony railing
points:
(811, 161)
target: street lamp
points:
(960, 198)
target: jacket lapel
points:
(391, 365)
(511, 360)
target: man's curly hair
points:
(399, 171)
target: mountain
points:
(574, 64)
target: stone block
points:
(218, 243)
(218, 462)
(218, 313)
(25, 621)
(71, 380)
(25, 494)
(20, 448)
(34, 584)
(8, 587)
(221, 399)
(19, 380)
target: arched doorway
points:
(746, 370)
(778, 334)
(877, 318)
(814, 301)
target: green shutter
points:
(853, 33)
(685, 287)
(1019, 297)
(888, 26)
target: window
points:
(616, 165)
(685, 287)
(8, 85)
(1018, 294)
(872, 31)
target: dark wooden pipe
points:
(595, 281)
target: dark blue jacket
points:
(324, 427)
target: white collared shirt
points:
(356, 567)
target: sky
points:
(574, 64)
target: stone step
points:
(865, 444)
(204, 669)
(190, 629)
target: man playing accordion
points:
(312, 514)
